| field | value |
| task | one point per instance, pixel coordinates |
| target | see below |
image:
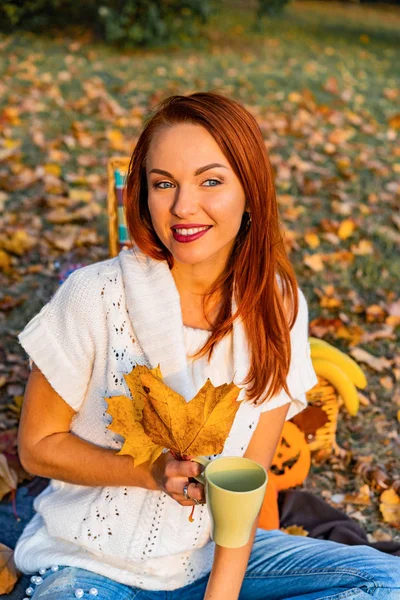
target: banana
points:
(321, 349)
(340, 380)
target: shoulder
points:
(92, 276)
(80, 294)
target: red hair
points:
(258, 270)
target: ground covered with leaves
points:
(323, 84)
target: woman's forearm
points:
(228, 570)
(66, 457)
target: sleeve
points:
(301, 376)
(59, 339)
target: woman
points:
(206, 292)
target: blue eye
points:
(214, 181)
(158, 185)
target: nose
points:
(185, 202)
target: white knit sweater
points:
(106, 318)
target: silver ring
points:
(195, 501)
(185, 492)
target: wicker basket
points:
(322, 397)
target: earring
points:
(248, 223)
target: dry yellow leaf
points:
(393, 320)
(363, 496)
(312, 240)
(18, 243)
(8, 478)
(116, 139)
(53, 169)
(346, 229)
(157, 417)
(8, 570)
(5, 261)
(390, 507)
(314, 262)
(327, 302)
(394, 121)
(80, 195)
(363, 248)
(295, 97)
(295, 530)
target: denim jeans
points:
(281, 567)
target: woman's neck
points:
(192, 285)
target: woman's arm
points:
(48, 448)
(230, 564)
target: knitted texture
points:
(103, 320)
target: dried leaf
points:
(314, 262)
(375, 474)
(394, 121)
(363, 248)
(378, 364)
(390, 507)
(193, 428)
(8, 477)
(295, 530)
(157, 417)
(363, 496)
(312, 240)
(116, 139)
(19, 242)
(8, 571)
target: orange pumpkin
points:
(269, 514)
(292, 460)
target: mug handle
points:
(202, 460)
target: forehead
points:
(183, 144)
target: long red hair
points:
(258, 271)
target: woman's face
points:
(196, 201)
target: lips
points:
(186, 237)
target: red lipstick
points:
(184, 239)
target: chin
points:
(191, 256)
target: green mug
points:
(235, 489)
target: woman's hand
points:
(172, 475)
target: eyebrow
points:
(198, 171)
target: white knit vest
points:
(103, 320)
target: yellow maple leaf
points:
(157, 417)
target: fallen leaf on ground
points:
(380, 536)
(295, 530)
(390, 507)
(346, 229)
(8, 571)
(363, 496)
(8, 478)
(377, 363)
(314, 262)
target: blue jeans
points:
(281, 567)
